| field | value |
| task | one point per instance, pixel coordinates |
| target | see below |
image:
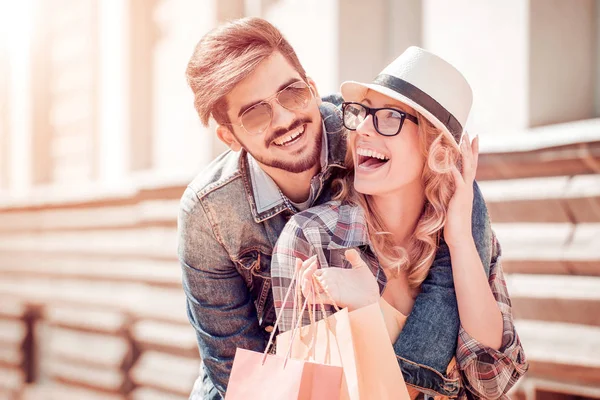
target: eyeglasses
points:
(387, 121)
(257, 119)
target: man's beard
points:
(293, 166)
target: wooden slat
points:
(561, 352)
(58, 391)
(550, 199)
(86, 376)
(111, 269)
(154, 394)
(571, 299)
(105, 351)
(87, 319)
(165, 372)
(171, 338)
(561, 149)
(11, 379)
(577, 390)
(551, 267)
(140, 301)
(550, 248)
(12, 332)
(11, 356)
(152, 241)
(12, 307)
(145, 213)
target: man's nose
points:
(282, 117)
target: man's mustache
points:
(284, 131)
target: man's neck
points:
(400, 211)
(295, 186)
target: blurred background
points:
(99, 137)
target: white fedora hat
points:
(425, 82)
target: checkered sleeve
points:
(490, 373)
(292, 244)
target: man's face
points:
(292, 141)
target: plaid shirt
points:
(330, 229)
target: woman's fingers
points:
(306, 279)
(458, 178)
(467, 160)
(475, 153)
(354, 258)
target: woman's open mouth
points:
(370, 160)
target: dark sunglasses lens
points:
(388, 122)
(295, 97)
(354, 115)
(257, 118)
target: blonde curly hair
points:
(441, 156)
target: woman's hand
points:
(353, 288)
(458, 223)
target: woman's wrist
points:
(466, 245)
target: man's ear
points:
(313, 86)
(226, 135)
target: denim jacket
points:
(225, 246)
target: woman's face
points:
(403, 160)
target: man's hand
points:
(353, 288)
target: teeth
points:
(371, 153)
(297, 132)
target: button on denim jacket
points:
(225, 246)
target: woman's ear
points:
(226, 135)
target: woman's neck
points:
(400, 210)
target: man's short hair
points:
(227, 55)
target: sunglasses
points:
(257, 119)
(387, 121)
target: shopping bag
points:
(357, 341)
(263, 376)
(281, 378)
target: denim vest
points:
(225, 247)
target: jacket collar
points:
(265, 198)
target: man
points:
(287, 146)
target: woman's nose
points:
(366, 127)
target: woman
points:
(410, 184)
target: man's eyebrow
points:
(281, 87)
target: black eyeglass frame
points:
(372, 111)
